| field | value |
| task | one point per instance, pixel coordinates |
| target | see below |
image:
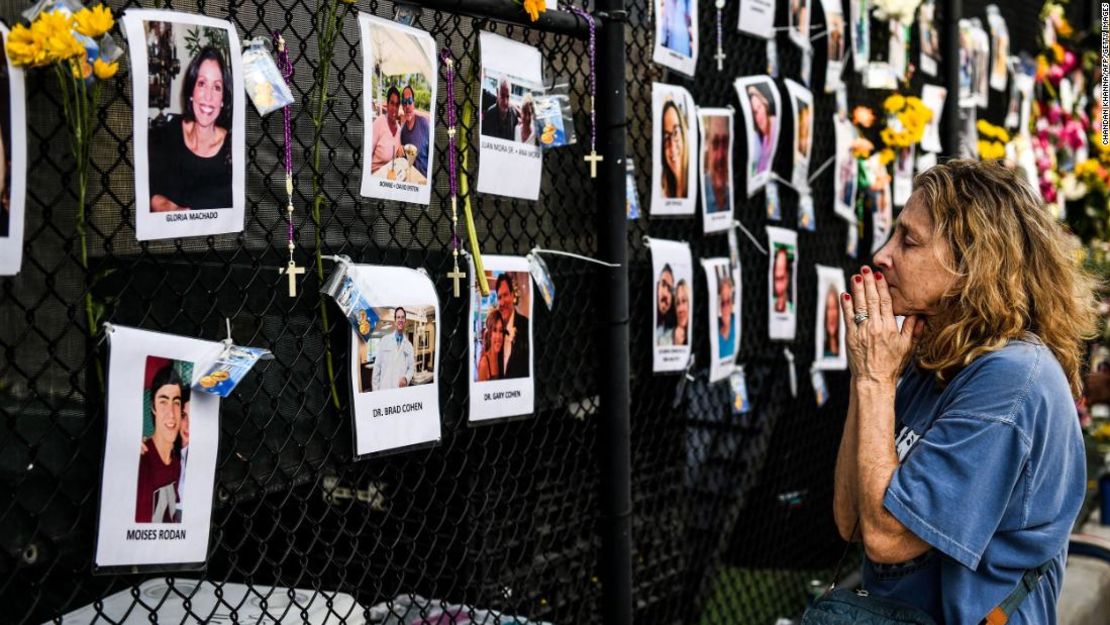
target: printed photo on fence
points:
(760, 105)
(716, 168)
(674, 304)
(846, 169)
(160, 455)
(723, 288)
(801, 101)
(501, 379)
(928, 38)
(757, 18)
(674, 150)
(1000, 48)
(399, 87)
(187, 79)
(904, 160)
(933, 97)
(836, 44)
(799, 22)
(878, 201)
(783, 280)
(828, 350)
(13, 161)
(511, 160)
(859, 12)
(394, 371)
(676, 35)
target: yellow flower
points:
(1063, 28)
(94, 22)
(983, 126)
(63, 46)
(534, 8)
(886, 156)
(894, 102)
(887, 135)
(80, 68)
(103, 70)
(26, 47)
(53, 23)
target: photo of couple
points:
(400, 77)
(673, 296)
(508, 110)
(672, 314)
(501, 324)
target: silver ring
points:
(861, 317)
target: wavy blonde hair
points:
(1015, 268)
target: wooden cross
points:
(593, 159)
(292, 271)
(456, 275)
(720, 56)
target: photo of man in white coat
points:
(394, 364)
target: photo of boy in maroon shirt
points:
(158, 496)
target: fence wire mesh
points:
(731, 515)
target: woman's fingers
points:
(886, 308)
(859, 300)
(872, 295)
(848, 313)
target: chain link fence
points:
(501, 516)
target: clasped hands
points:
(877, 348)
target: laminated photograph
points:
(836, 44)
(510, 157)
(674, 151)
(13, 160)
(189, 124)
(716, 168)
(760, 105)
(799, 19)
(399, 87)
(723, 289)
(673, 286)
(676, 35)
(501, 356)
(395, 396)
(757, 18)
(801, 101)
(783, 280)
(829, 351)
(928, 38)
(159, 455)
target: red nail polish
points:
(878, 275)
(847, 297)
(858, 279)
(866, 270)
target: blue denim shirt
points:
(992, 476)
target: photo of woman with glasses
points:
(675, 145)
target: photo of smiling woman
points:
(759, 102)
(189, 145)
(674, 149)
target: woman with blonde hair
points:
(964, 478)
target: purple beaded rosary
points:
(453, 169)
(593, 158)
(291, 270)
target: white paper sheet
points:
(501, 353)
(716, 168)
(395, 382)
(14, 160)
(757, 17)
(673, 313)
(141, 493)
(401, 58)
(674, 151)
(204, 204)
(511, 74)
(782, 280)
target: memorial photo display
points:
(394, 370)
(160, 453)
(501, 354)
(13, 161)
(189, 129)
(399, 83)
